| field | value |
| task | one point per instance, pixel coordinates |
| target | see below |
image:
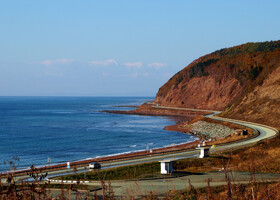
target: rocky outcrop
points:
(202, 92)
(243, 81)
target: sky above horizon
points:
(118, 48)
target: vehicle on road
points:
(94, 165)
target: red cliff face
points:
(229, 78)
(262, 105)
(203, 93)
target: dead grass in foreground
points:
(262, 157)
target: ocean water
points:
(73, 128)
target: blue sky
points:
(118, 48)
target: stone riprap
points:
(211, 130)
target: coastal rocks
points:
(211, 130)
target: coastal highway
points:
(140, 187)
(265, 132)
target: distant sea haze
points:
(63, 129)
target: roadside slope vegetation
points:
(243, 81)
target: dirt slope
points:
(261, 105)
(239, 80)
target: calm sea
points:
(73, 128)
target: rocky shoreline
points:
(211, 130)
(185, 124)
(148, 110)
(198, 128)
(189, 122)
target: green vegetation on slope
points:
(199, 68)
(249, 48)
(119, 173)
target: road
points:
(265, 132)
(161, 186)
(137, 188)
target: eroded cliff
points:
(243, 81)
(262, 105)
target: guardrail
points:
(240, 122)
(252, 123)
(243, 123)
(145, 153)
(66, 181)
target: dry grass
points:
(251, 191)
(262, 157)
